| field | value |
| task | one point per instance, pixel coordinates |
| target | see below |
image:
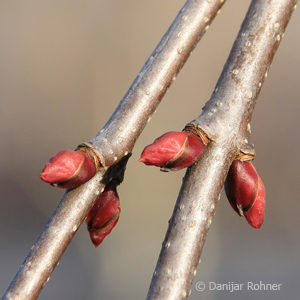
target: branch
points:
(113, 143)
(225, 120)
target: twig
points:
(225, 119)
(114, 143)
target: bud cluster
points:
(69, 169)
(171, 152)
(243, 186)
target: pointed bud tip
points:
(96, 240)
(142, 159)
(254, 221)
(44, 175)
(255, 216)
(256, 225)
(98, 235)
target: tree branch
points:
(113, 143)
(225, 120)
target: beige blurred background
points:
(65, 65)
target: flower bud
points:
(173, 151)
(246, 192)
(104, 215)
(69, 169)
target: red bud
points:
(104, 215)
(173, 151)
(246, 192)
(69, 169)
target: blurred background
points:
(65, 65)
